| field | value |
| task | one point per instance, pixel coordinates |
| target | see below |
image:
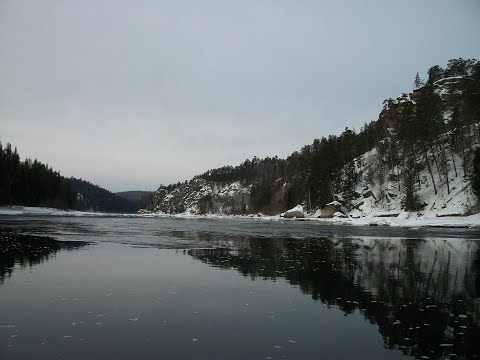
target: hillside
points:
(34, 184)
(139, 197)
(91, 197)
(31, 183)
(418, 156)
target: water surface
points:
(77, 288)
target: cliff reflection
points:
(26, 250)
(423, 294)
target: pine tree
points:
(476, 174)
(435, 73)
(410, 201)
(349, 182)
(418, 83)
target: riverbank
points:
(403, 219)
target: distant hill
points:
(135, 196)
(32, 183)
(91, 197)
(138, 197)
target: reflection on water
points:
(424, 295)
(27, 250)
(419, 288)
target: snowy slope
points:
(201, 197)
(377, 195)
(385, 199)
(381, 186)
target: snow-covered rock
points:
(296, 212)
(201, 197)
(335, 203)
(330, 209)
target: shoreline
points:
(404, 219)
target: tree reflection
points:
(423, 294)
(22, 250)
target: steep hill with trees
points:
(421, 147)
(139, 197)
(31, 183)
(94, 198)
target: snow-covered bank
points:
(472, 221)
(402, 220)
(43, 211)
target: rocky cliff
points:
(418, 157)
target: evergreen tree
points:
(435, 73)
(349, 181)
(30, 183)
(418, 82)
(475, 180)
(410, 201)
(471, 95)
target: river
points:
(169, 288)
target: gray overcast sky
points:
(130, 94)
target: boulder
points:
(335, 204)
(330, 209)
(296, 212)
(327, 212)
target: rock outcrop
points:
(201, 197)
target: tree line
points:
(435, 127)
(91, 197)
(32, 183)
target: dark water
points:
(120, 288)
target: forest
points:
(32, 183)
(436, 127)
(439, 119)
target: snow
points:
(335, 203)
(404, 215)
(296, 212)
(44, 211)
(189, 197)
(472, 221)
(298, 208)
(447, 79)
(403, 219)
(385, 206)
(317, 213)
(380, 197)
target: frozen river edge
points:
(404, 219)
